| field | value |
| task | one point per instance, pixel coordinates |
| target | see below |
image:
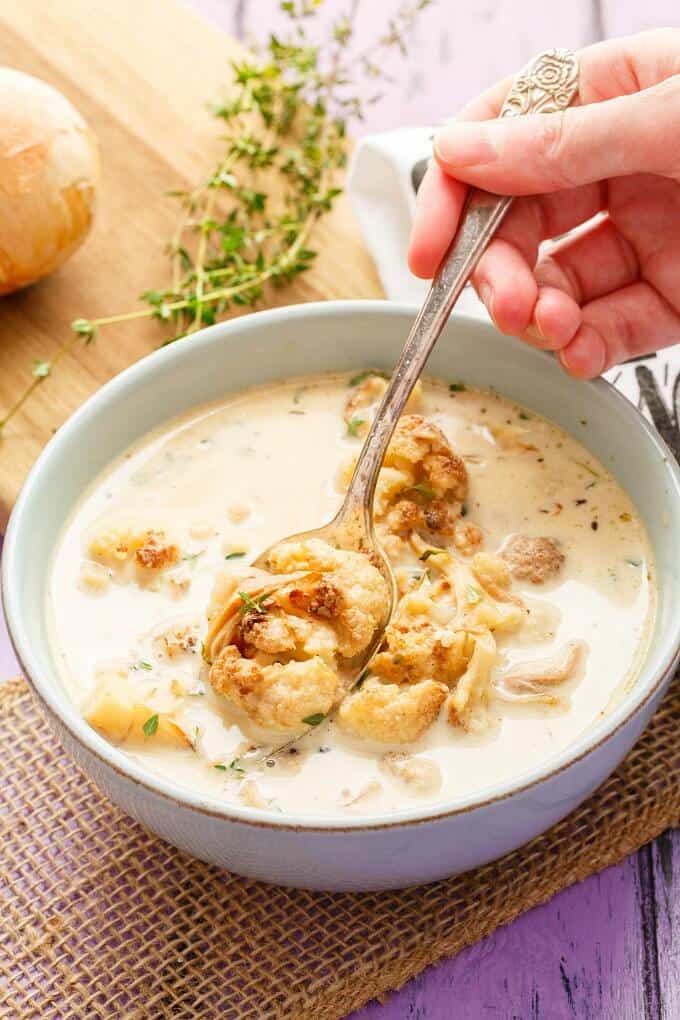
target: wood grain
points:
(141, 72)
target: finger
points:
(530, 221)
(505, 280)
(439, 203)
(593, 263)
(506, 284)
(555, 320)
(547, 152)
(596, 262)
(626, 324)
(544, 317)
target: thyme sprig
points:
(283, 120)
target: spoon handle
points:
(482, 216)
(547, 85)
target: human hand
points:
(611, 291)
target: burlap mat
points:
(100, 919)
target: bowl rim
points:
(64, 713)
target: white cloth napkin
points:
(384, 174)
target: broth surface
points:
(230, 479)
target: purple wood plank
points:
(664, 906)
(581, 955)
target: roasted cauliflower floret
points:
(420, 642)
(114, 546)
(322, 600)
(155, 552)
(532, 558)
(392, 714)
(443, 630)
(280, 696)
(434, 629)
(278, 642)
(419, 447)
(253, 613)
(271, 633)
(422, 486)
(148, 549)
(344, 588)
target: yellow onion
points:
(48, 176)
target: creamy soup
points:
(526, 590)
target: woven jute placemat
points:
(101, 919)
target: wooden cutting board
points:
(141, 72)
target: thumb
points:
(538, 153)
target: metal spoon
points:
(548, 84)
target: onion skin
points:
(49, 169)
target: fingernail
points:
(464, 145)
(534, 332)
(486, 294)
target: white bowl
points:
(417, 844)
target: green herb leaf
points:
(41, 369)
(234, 555)
(220, 767)
(354, 425)
(151, 725)
(314, 720)
(524, 416)
(204, 654)
(144, 665)
(634, 563)
(252, 605)
(360, 682)
(472, 595)
(586, 467)
(425, 490)
(457, 387)
(235, 765)
(431, 552)
(84, 328)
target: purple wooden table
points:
(607, 949)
